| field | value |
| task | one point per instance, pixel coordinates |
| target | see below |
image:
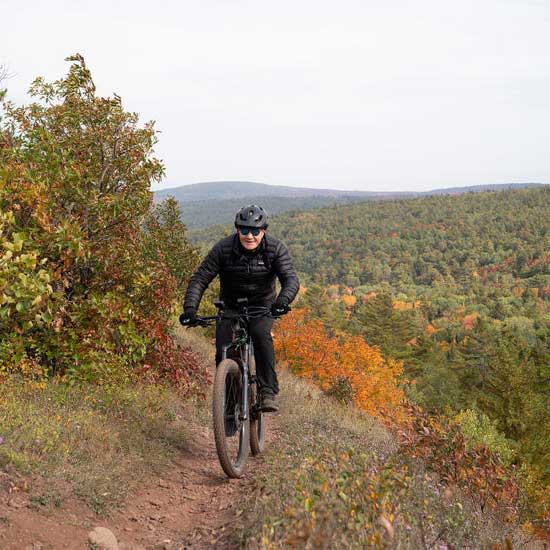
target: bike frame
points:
(243, 345)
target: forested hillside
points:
(203, 213)
(414, 245)
(205, 204)
(458, 289)
(451, 249)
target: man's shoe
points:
(268, 403)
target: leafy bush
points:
(479, 430)
(90, 272)
(25, 291)
(342, 365)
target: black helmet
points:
(251, 216)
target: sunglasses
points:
(246, 230)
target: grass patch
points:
(101, 439)
(204, 348)
(338, 479)
(199, 341)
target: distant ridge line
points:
(236, 189)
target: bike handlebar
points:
(250, 312)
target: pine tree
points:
(385, 327)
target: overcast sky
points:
(372, 95)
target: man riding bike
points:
(248, 262)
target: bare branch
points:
(4, 73)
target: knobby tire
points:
(257, 419)
(227, 388)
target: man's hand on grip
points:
(188, 319)
(278, 309)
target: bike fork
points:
(244, 412)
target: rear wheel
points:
(257, 426)
(231, 433)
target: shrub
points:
(81, 289)
(479, 430)
(338, 479)
(342, 365)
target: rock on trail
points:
(103, 539)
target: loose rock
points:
(103, 538)
(13, 503)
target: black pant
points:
(264, 354)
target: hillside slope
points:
(218, 190)
(338, 479)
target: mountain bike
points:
(238, 421)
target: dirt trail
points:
(192, 506)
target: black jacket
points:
(245, 274)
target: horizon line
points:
(452, 186)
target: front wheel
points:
(230, 431)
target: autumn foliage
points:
(346, 367)
(473, 469)
(342, 365)
(90, 270)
